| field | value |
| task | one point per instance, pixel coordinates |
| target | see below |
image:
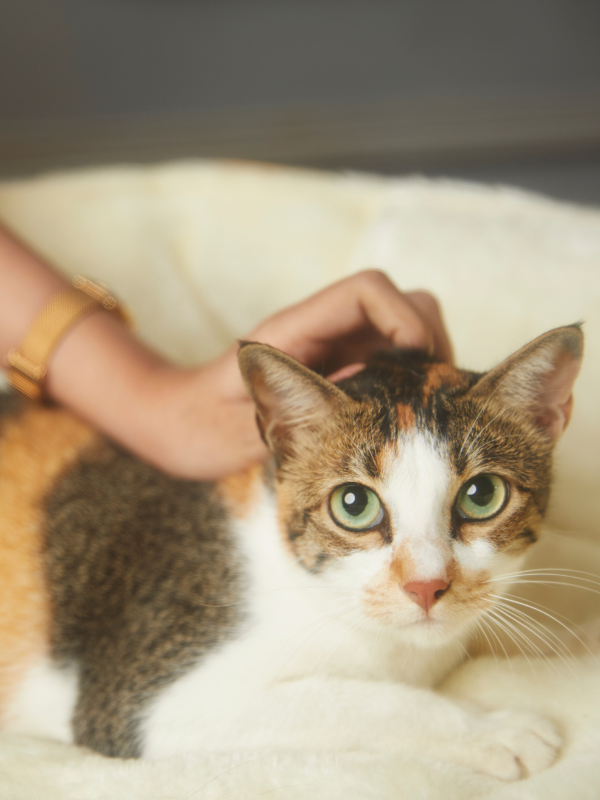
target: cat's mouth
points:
(438, 623)
(427, 620)
(429, 617)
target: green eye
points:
(356, 507)
(481, 497)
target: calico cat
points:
(313, 602)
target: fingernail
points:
(345, 372)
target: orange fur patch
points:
(402, 568)
(406, 417)
(441, 375)
(240, 490)
(34, 448)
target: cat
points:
(313, 602)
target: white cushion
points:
(203, 251)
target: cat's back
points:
(110, 571)
(36, 445)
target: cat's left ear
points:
(292, 402)
(539, 378)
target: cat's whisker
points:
(530, 618)
(489, 621)
(515, 635)
(551, 640)
(569, 628)
(550, 571)
(555, 568)
(481, 633)
(542, 580)
(528, 622)
(536, 650)
(568, 625)
(550, 616)
(512, 632)
(556, 580)
(501, 613)
(461, 646)
(480, 623)
(517, 582)
(535, 605)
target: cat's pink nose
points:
(425, 593)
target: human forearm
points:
(199, 423)
(26, 285)
(194, 423)
(97, 368)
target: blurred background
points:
(495, 90)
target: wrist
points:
(199, 426)
(102, 373)
(195, 423)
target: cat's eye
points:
(356, 507)
(482, 497)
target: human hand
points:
(350, 320)
(200, 423)
(208, 424)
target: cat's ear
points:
(292, 402)
(539, 378)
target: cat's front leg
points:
(323, 714)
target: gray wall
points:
(72, 57)
(425, 84)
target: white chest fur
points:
(299, 629)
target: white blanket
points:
(201, 252)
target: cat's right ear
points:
(292, 402)
(538, 379)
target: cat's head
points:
(414, 484)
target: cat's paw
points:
(513, 744)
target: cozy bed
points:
(201, 251)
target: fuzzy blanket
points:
(201, 252)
